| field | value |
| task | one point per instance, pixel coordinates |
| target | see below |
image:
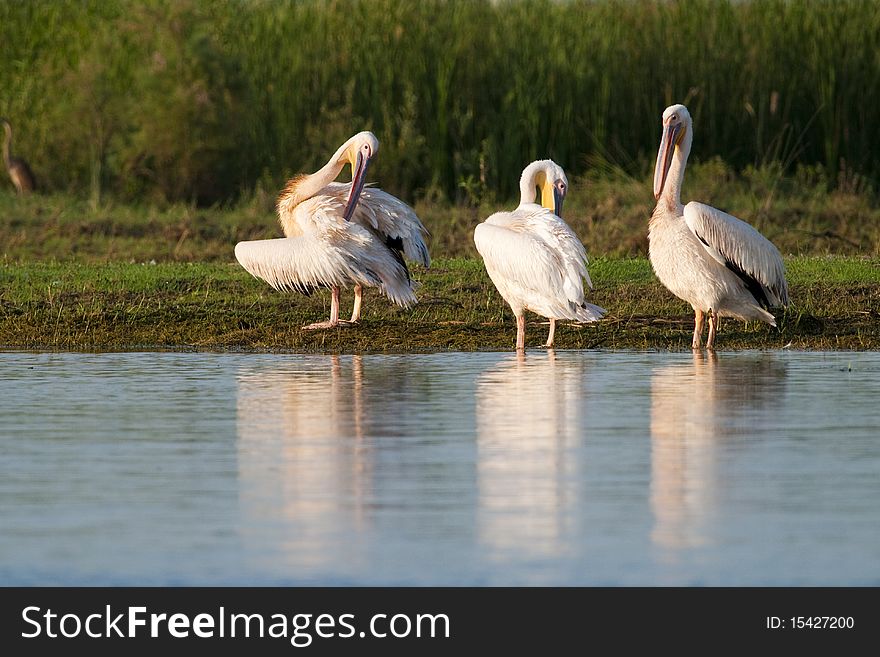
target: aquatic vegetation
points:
(195, 100)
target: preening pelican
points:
(720, 265)
(337, 234)
(18, 170)
(534, 258)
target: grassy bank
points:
(803, 214)
(219, 306)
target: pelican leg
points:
(356, 311)
(521, 333)
(713, 327)
(334, 305)
(334, 313)
(698, 329)
(552, 333)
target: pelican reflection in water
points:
(306, 422)
(529, 411)
(339, 464)
(701, 414)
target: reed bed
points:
(206, 101)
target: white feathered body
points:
(321, 249)
(537, 263)
(696, 252)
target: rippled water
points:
(443, 469)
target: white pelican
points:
(339, 234)
(534, 258)
(720, 265)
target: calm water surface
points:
(444, 469)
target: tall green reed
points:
(204, 100)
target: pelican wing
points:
(295, 263)
(742, 249)
(535, 256)
(394, 220)
(336, 254)
(562, 240)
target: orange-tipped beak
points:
(664, 157)
(358, 178)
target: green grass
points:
(608, 209)
(70, 305)
(75, 275)
(207, 100)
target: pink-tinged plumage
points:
(533, 257)
(324, 249)
(717, 263)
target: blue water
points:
(573, 468)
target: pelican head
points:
(677, 127)
(357, 151)
(550, 179)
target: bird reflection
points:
(306, 422)
(701, 416)
(528, 411)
